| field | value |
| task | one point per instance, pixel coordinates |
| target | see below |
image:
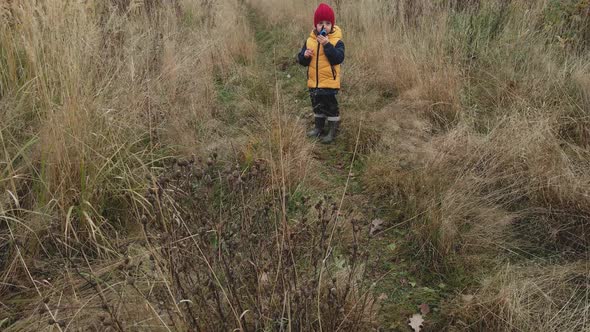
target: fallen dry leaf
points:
(382, 297)
(416, 322)
(376, 226)
(467, 298)
(424, 308)
(264, 281)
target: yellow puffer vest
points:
(320, 73)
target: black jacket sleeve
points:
(335, 54)
(301, 59)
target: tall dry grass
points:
(518, 92)
(94, 98)
(504, 174)
(524, 298)
(485, 149)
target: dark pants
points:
(325, 106)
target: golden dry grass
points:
(485, 148)
(527, 298)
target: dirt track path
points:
(396, 279)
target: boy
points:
(322, 53)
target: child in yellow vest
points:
(322, 53)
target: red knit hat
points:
(323, 13)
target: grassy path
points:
(397, 280)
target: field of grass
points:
(155, 174)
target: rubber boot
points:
(319, 127)
(332, 131)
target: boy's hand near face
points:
(308, 53)
(322, 39)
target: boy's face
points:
(326, 24)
